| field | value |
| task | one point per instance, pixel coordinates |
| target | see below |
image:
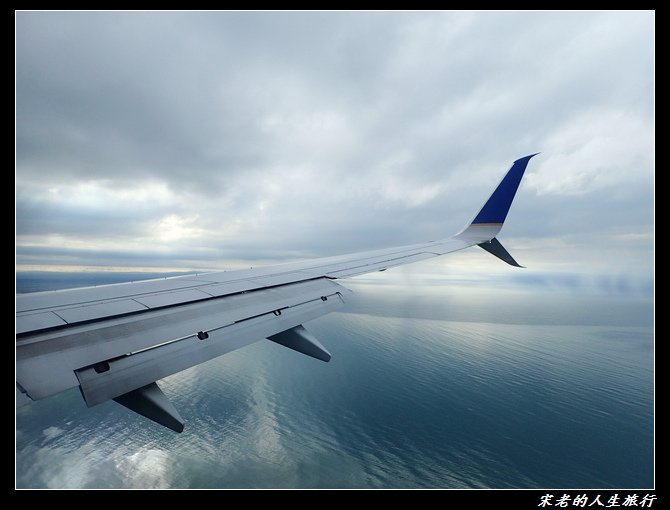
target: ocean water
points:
(429, 386)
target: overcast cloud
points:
(213, 140)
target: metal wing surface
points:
(116, 341)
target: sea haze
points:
(430, 385)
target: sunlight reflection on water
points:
(421, 392)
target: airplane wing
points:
(116, 341)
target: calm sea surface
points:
(429, 386)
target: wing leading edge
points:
(116, 341)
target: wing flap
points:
(134, 370)
(46, 362)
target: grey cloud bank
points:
(211, 140)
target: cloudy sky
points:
(218, 140)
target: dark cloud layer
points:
(194, 139)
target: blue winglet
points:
(496, 208)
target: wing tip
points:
(497, 206)
(494, 247)
(527, 158)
